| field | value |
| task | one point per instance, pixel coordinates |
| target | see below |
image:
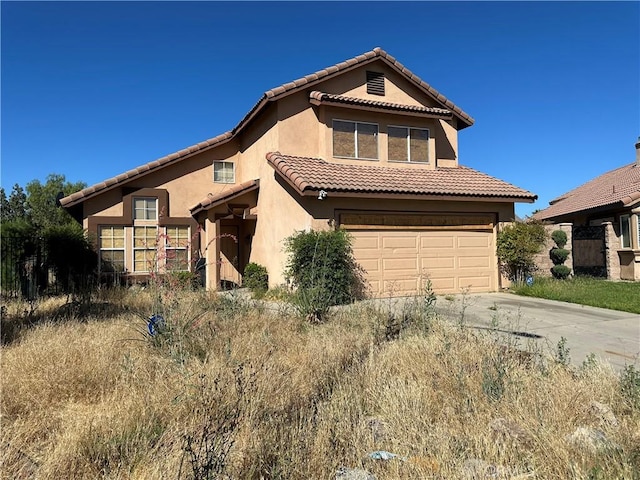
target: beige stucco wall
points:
(293, 126)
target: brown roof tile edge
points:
(77, 197)
(322, 97)
(588, 197)
(233, 192)
(279, 162)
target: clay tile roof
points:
(619, 187)
(80, 196)
(309, 175)
(271, 95)
(321, 97)
(233, 192)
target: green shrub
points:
(630, 385)
(255, 278)
(322, 263)
(182, 280)
(558, 255)
(559, 237)
(560, 271)
(72, 258)
(517, 244)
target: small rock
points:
(378, 429)
(476, 469)
(603, 414)
(345, 473)
(589, 439)
(510, 430)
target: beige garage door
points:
(398, 262)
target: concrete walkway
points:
(609, 334)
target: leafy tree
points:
(4, 204)
(14, 207)
(517, 246)
(43, 210)
(38, 236)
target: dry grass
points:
(233, 391)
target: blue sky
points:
(92, 89)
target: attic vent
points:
(375, 83)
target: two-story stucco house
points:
(363, 145)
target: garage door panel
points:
(474, 239)
(474, 262)
(443, 285)
(374, 287)
(371, 265)
(431, 240)
(452, 260)
(400, 245)
(366, 242)
(475, 284)
(434, 263)
(397, 287)
(408, 265)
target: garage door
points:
(399, 260)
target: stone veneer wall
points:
(612, 245)
(543, 261)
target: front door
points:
(230, 275)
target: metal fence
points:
(27, 272)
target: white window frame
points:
(625, 233)
(224, 179)
(408, 140)
(149, 267)
(355, 139)
(146, 209)
(175, 248)
(112, 249)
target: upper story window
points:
(145, 208)
(355, 140)
(224, 172)
(408, 144)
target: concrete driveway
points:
(611, 335)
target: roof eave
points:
(374, 108)
(124, 178)
(242, 189)
(314, 191)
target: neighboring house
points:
(363, 145)
(605, 216)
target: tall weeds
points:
(243, 393)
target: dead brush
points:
(276, 397)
